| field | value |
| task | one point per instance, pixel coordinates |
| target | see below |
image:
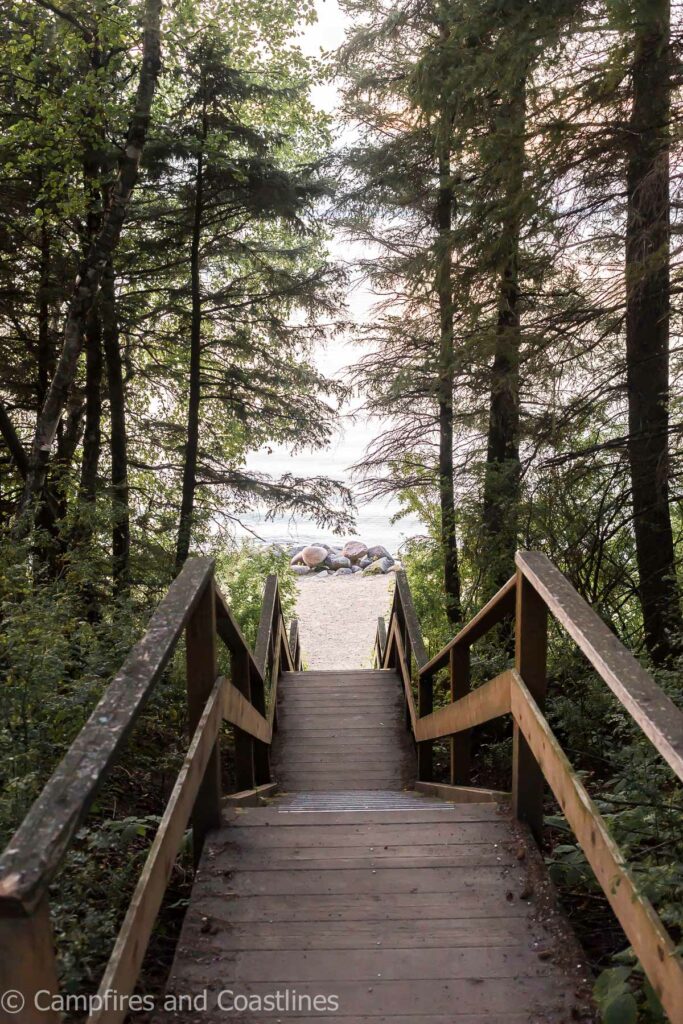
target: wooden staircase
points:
(342, 731)
(396, 906)
(351, 884)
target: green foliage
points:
(241, 574)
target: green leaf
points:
(622, 1010)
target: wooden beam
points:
(255, 797)
(294, 644)
(531, 652)
(410, 619)
(274, 679)
(498, 608)
(380, 641)
(245, 772)
(459, 674)
(238, 711)
(649, 706)
(121, 973)
(38, 847)
(486, 702)
(395, 641)
(28, 965)
(644, 930)
(461, 794)
(425, 748)
(265, 628)
(202, 669)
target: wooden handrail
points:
(406, 609)
(33, 857)
(539, 588)
(494, 611)
(648, 705)
(37, 849)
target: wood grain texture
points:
(486, 702)
(402, 914)
(341, 731)
(655, 713)
(125, 962)
(642, 926)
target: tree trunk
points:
(45, 354)
(194, 398)
(120, 512)
(647, 329)
(502, 474)
(92, 435)
(88, 280)
(444, 287)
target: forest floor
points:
(338, 618)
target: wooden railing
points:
(193, 604)
(536, 589)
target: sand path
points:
(338, 618)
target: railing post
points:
(245, 774)
(261, 753)
(459, 666)
(425, 750)
(28, 966)
(531, 647)
(202, 671)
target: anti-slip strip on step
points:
(357, 800)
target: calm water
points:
(373, 520)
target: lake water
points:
(374, 518)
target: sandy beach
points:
(338, 618)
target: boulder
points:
(396, 567)
(354, 550)
(297, 559)
(378, 551)
(344, 571)
(365, 562)
(334, 561)
(381, 565)
(313, 555)
(321, 575)
(301, 570)
(356, 568)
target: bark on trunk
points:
(647, 330)
(118, 444)
(502, 475)
(194, 397)
(92, 435)
(88, 280)
(444, 286)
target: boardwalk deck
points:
(390, 905)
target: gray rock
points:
(313, 555)
(344, 571)
(301, 570)
(323, 574)
(378, 551)
(365, 562)
(334, 561)
(356, 568)
(295, 550)
(381, 565)
(355, 550)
